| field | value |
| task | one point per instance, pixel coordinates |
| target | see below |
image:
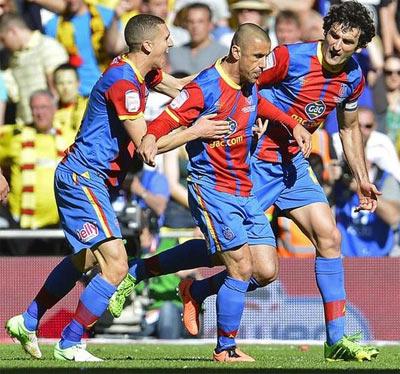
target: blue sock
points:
(201, 289)
(230, 304)
(59, 282)
(189, 255)
(330, 280)
(92, 304)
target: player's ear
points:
(235, 51)
(147, 46)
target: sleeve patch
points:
(270, 61)
(179, 100)
(132, 101)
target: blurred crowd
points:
(53, 51)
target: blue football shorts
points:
(287, 185)
(85, 210)
(228, 221)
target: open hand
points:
(208, 128)
(368, 196)
(259, 128)
(303, 139)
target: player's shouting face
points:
(252, 59)
(159, 45)
(339, 44)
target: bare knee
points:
(266, 273)
(113, 261)
(115, 272)
(329, 243)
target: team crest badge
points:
(315, 109)
(132, 101)
(228, 233)
(232, 126)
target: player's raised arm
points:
(269, 111)
(182, 111)
(353, 148)
(172, 86)
(4, 188)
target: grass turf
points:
(154, 358)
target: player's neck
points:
(142, 64)
(231, 68)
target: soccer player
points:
(309, 80)
(90, 173)
(219, 172)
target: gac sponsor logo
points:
(315, 110)
(87, 232)
(227, 142)
(309, 125)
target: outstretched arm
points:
(353, 148)
(171, 86)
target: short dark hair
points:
(65, 67)
(200, 6)
(139, 28)
(351, 14)
(287, 15)
(241, 35)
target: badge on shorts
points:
(228, 233)
(132, 101)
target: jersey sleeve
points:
(153, 78)
(350, 104)
(277, 66)
(182, 111)
(269, 111)
(125, 97)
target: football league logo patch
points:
(315, 110)
(132, 101)
(179, 100)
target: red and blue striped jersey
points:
(297, 81)
(222, 164)
(102, 144)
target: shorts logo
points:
(228, 233)
(87, 232)
(232, 126)
(132, 101)
(179, 100)
(315, 110)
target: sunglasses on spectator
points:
(392, 72)
(367, 125)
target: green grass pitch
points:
(190, 358)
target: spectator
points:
(366, 233)
(379, 149)
(311, 26)
(252, 11)
(287, 27)
(81, 29)
(159, 8)
(201, 51)
(33, 60)
(71, 106)
(392, 82)
(32, 153)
